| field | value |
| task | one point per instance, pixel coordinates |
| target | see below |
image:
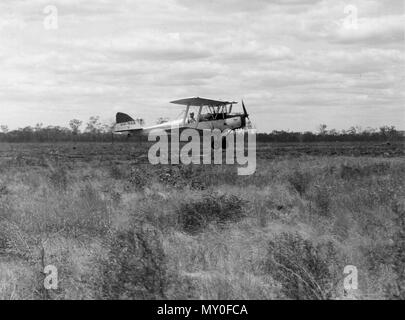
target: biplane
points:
(209, 115)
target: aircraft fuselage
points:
(229, 122)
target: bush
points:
(116, 172)
(356, 172)
(304, 270)
(300, 181)
(3, 190)
(14, 241)
(322, 201)
(94, 214)
(183, 175)
(88, 213)
(195, 216)
(138, 179)
(194, 176)
(396, 290)
(136, 266)
(58, 178)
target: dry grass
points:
(121, 230)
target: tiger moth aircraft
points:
(211, 115)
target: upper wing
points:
(201, 102)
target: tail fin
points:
(123, 117)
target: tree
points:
(94, 125)
(108, 127)
(38, 127)
(322, 129)
(4, 128)
(75, 125)
(352, 131)
(333, 132)
(388, 132)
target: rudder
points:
(123, 117)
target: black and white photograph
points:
(202, 154)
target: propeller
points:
(246, 116)
(244, 110)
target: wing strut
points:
(198, 116)
(186, 114)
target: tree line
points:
(95, 130)
(384, 133)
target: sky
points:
(295, 63)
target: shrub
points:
(3, 190)
(94, 214)
(138, 179)
(396, 290)
(58, 178)
(305, 270)
(195, 216)
(14, 241)
(117, 172)
(322, 200)
(342, 225)
(300, 181)
(194, 176)
(170, 176)
(355, 172)
(136, 265)
(183, 175)
(115, 197)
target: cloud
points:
(363, 60)
(295, 63)
(373, 30)
(255, 51)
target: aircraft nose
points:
(243, 121)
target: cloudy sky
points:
(295, 63)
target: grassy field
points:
(117, 227)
